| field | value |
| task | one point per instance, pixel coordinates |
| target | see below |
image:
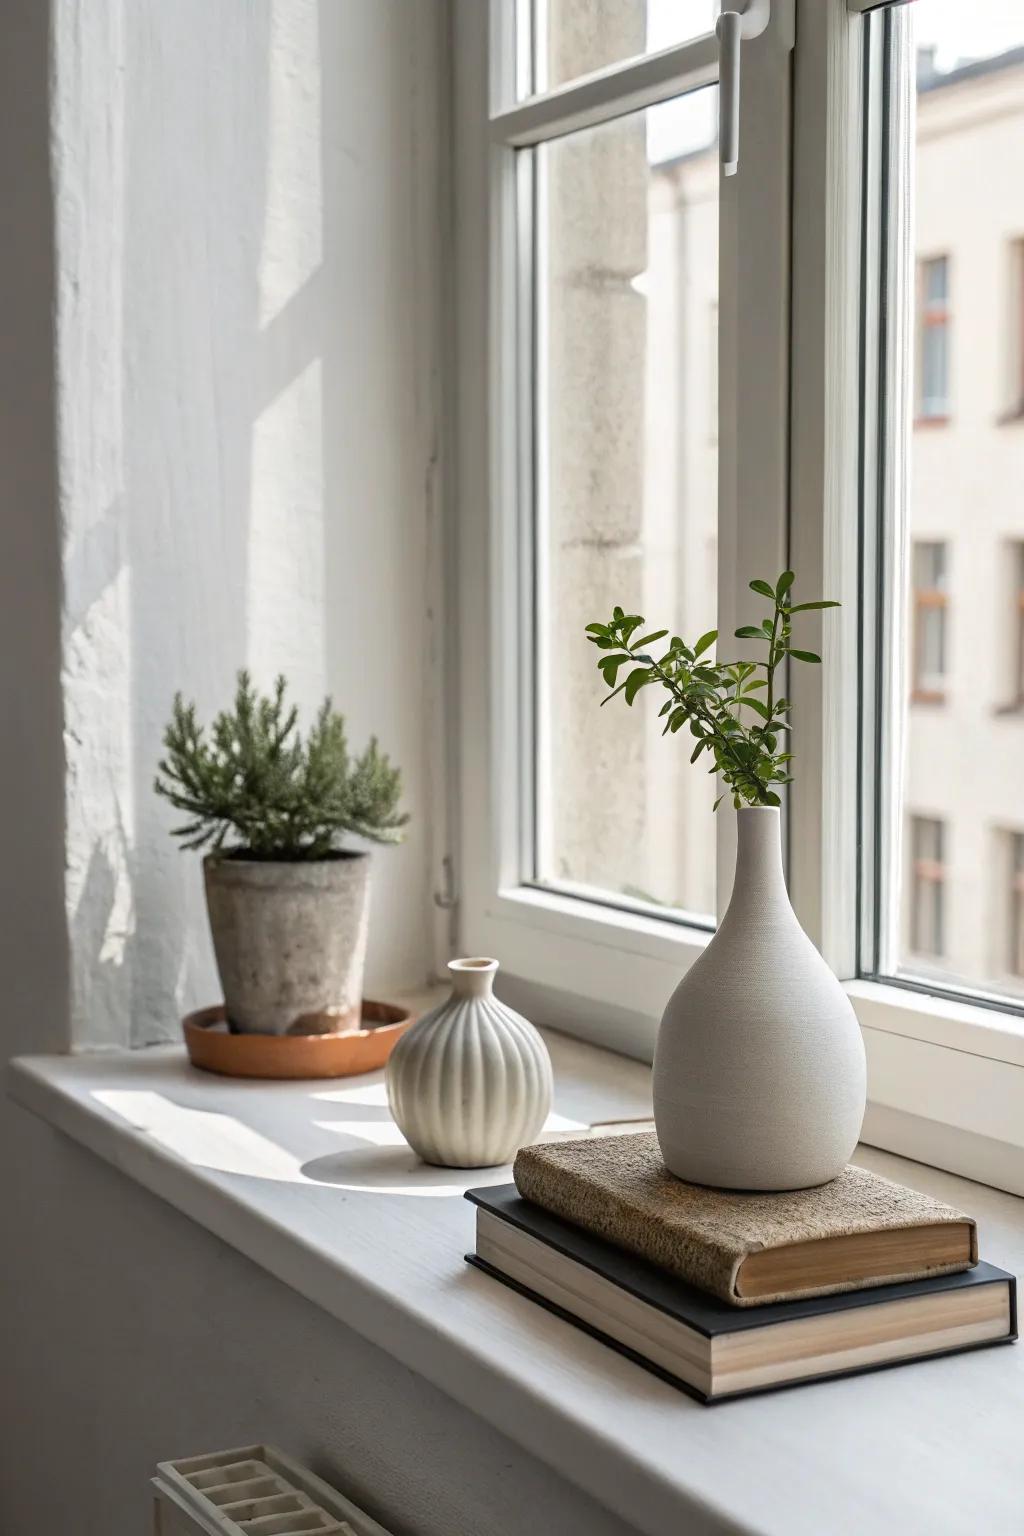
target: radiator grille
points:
(256, 1490)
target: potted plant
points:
(759, 1074)
(288, 905)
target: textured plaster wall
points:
(248, 230)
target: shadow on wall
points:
(248, 400)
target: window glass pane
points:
(952, 731)
(576, 37)
(627, 470)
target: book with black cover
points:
(712, 1350)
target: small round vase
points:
(470, 1082)
(759, 1073)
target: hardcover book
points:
(714, 1350)
(748, 1249)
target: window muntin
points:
(626, 262)
(946, 571)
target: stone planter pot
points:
(759, 1075)
(290, 941)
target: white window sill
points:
(313, 1182)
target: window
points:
(955, 532)
(1015, 946)
(927, 886)
(1014, 404)
(933, 339)
(626, 265)
(930, 618)
(1015, 608)
(618, 286)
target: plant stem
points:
(770, 695)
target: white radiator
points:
(254, 1491)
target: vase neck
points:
(472, 978)
(759, 874)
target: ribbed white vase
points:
(759, 1074)
(470, 1082)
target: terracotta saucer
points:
(213, 1048)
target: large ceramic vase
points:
(470, 1082)
(759, 1076)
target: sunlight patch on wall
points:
(293, 228)
(285, 610)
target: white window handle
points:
(744, 18)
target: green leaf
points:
(635, 681)
(609, 667)
(698, 749)
(749, 632)
(804, 655)
(596, 629)
(783, 584)
(757, 706)
(718, 801)
(765, 589)
(656, 634)
(771, 798)
(705, 641)
(806, 607)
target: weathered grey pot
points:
(759, 1074)
(290, 941)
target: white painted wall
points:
(249, 220)
(131, 1335)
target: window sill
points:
(945, 1081)
(314, 1183)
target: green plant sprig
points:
(711, 696)
(256, 788)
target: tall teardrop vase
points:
(470, 1082)
(759, 1073)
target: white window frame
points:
(946, 1078)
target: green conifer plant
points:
(255, 788)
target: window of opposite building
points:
(930, 622)
(927, 887)
(1016, 625)
(1015, 956)
(933, 339)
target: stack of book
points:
(726, 1293)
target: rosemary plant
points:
(257, 789)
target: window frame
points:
(606, 972)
